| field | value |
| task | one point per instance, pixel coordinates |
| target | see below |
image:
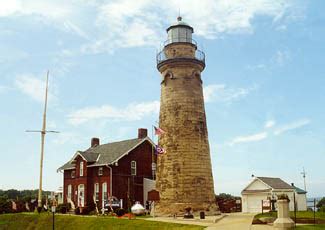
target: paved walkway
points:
(209, 220)
(240, 221)
(231, 221)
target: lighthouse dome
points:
(180, 32)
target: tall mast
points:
(43, 132)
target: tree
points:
(321, 203)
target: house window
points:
(96, 191)
(100, 171)
(69, 192)
(104, 193)
(73, 174)
(81, 170)
(133, 168)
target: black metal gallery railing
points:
(199, 55)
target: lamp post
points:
(53, 212)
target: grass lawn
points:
(300, 215)
(310, 227)
(44, 221)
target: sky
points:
(264, 83)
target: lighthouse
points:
(184, 175)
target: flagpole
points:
(152, 154)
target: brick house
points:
(117, 169)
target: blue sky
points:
(264, 83)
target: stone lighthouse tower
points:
(184, 175)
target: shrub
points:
(283, 197)
(77, 211)
(120, 212)
(63, 208)
(5, 206)
(321, 209)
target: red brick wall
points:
(75, 181)
(121, 175)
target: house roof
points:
(107, 153)
(275, 183)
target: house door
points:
(81, 195)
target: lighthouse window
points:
(175, 35)
(182, 35)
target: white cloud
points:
(249, 138)
(134, 111)
(4, 88)
(220, 92)
(48, 9)
(124, 23)
(281, 57)
(294, 125)
(269, 123)
(33, 87)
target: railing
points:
(199, 55)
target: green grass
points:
(300, 215)
(33, 221)
(311, 227)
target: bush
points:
(120, 212)
(5, 206)
(321, 209)
(77, 211)
(63, 208)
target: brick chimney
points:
(142, 133)
(94, 141)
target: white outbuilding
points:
(261, 190)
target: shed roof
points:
(299, 190)
(275, 183)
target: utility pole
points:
(43, 132)
(304, 176)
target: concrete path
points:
(233, 221)
(209, 220)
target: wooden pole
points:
(43, 132)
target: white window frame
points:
(69, 194)
(73, 174)
(100, 171)
(81, 169)
(104, 193)
(96, 191)
(133, 168)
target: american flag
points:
(158, 131)
(160, 150)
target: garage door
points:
(254, 204)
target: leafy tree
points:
(321, 203)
